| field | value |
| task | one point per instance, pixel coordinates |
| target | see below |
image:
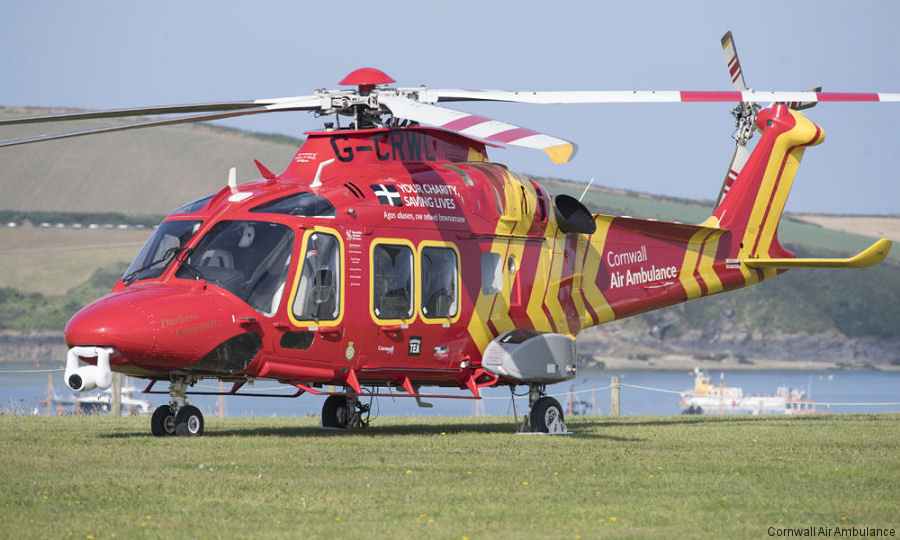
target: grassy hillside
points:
(633, 477)
(32, 311)
(145, 171)
(52, 261)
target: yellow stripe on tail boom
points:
(873, 255)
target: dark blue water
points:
(589, 392)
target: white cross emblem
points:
(387, 194)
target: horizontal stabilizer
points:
(873, 255)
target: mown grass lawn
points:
(448, 477)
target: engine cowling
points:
(531, 357)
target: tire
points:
(162, 422)
(189, 421)
(545, 412)
(335, 413)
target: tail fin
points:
(752, 207)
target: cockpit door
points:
(315, 308)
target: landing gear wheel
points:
(547, 416)
(335, 412)
(162, 422)
(189, 421)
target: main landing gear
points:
(344, 411)
(177, 418)
(546, 414)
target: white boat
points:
(101, 402)
(706, 398)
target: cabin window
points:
(304, 204)
(318, 290)
(250, 259)
(194, 206)
(392, 281)
(162, 247)
(440, 282)
(297, 340)
(491, 273)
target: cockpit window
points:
(318, 291)
(194, 206)
(160, 250)
(303, 204)
(250, 259)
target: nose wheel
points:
(189, 421)
(177, 418)
(162, 422)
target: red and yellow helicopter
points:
(393, 256)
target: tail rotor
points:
(744, 115)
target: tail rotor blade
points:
(738, 160)
(800, 105)
(733, 62)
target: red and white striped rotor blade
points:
(734, 64)
(480, 127)
(651, 96)
(738, 160)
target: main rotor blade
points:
(734, 64)
(116, 113)
(650, 96)
(471, 125)
(308, 103)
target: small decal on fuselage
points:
(415, 345)
(402, 145)
(639, 275)
(387, 194)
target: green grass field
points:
(447, 477)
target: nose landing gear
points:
(177, 418)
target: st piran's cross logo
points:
(387, 194)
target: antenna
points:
(236, 196)
(232, 179)
(585, 189)
(317, 180)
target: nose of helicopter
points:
(157, 328)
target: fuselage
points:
(380, 255)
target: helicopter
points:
(392, 255)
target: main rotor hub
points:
(366, 78)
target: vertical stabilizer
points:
(753, 206)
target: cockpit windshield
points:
(158, 252)
(248, 258)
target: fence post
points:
(115, 406)
(615, 389)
